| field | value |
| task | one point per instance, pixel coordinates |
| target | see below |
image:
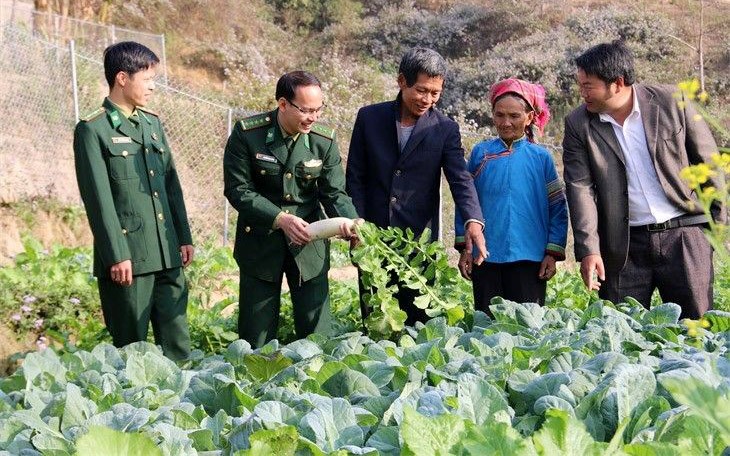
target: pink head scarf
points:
(534, 94)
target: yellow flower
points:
(689, 88)
(697, 175)
(722, 162)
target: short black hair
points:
(422, 60)
(288, 83)
(608, 62)
(127, 56)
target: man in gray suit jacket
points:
(636, 223)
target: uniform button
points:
(397, 172)
(124, 153)
(147, 151)
(263, 171)
(152, 172)
(287, 197)
(156, 194)
(124, 231)
(268, 119)
(247, 229)
(286, 211)
(159, 216)
(393, 199)
(288, 175)
(308, 176)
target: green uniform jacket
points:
(131, 191)
(262, 179)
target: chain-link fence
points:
(90, 38)
(46, 83)
(44, 86)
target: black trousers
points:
(517, 281)
(677, 262)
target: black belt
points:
(676, 222)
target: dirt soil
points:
(47, 227)
(9, 347)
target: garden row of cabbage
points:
(604, 380)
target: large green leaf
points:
(262, 368)
(424, 436)
(281, 441)
(273, 413)
(347, 382)
(564, 435)
(109, 442)
(711, 403)
(496, 438)
(122, 417)
(664, 314)
(151, 368)
(331, 424)
(478, 399)
(77, 409)
(385, 440)
(614, 399)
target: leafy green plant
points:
(389, 256)
(607, 379)
(48, 291)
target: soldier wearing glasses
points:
(280, 169)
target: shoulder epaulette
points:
(257, 121)
(94, 115)
(323, 130)
(148, 111)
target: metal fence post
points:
(74, 78)
(164, 59)
(441, 209)
(225, 201)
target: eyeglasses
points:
(309, 111)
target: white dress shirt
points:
(647, 201)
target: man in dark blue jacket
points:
(397, 152)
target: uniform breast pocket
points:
(308, 172)
(133, 230)
(123, 162)
(267, 171)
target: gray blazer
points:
(595, 170)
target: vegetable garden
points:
(579, 376)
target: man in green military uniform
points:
(134, 203)
(280, 169)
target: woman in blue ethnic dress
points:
(522, 199)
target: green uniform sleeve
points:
(96, 193)
(175, 197)
(331, 185)
(239, 187)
